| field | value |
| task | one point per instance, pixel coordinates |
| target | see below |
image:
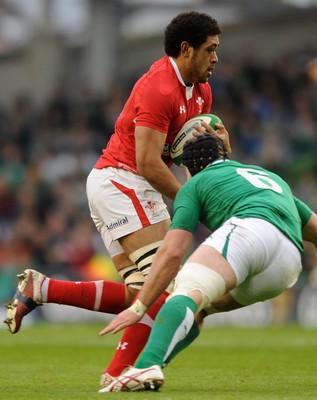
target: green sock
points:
(172, 324)
(192, 335)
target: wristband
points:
(138, 307)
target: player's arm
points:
(309, 230)
(309, 221)
(149, 145)
(166, 264)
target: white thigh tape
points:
(132, 277)
(195, 276)
(144, 256)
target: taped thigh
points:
(194, 276)
(143, 259)
(132, 277)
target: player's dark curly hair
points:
(192, 27)
(202, 150)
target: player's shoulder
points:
(161, 67)
(162, 76)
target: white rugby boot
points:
(137, 379)
(27, 297)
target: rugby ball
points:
(186, 133)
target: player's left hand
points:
(221, 132)
(121, 321)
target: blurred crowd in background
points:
(47, 151)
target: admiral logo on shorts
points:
(119, 222)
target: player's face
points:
(204, 60)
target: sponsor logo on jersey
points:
(116, 224)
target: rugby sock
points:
(192, 335)
(134, 339)
(171, 325)
(103, 296)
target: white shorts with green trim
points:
(265, 261)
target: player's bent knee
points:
(194, 276)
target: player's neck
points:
(180, 70)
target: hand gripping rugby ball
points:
(186, 133)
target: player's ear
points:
(186, 49)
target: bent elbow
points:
(142, 169)
(174, 255)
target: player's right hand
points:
(121, 321)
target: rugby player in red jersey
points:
(125, 189)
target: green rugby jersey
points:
(229, 189)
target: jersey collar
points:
(219, 161)
(189, 89)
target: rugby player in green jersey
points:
(253, 253)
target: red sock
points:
(103, 296)
(134, 339)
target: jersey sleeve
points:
(155, 106)
(304, 211)
(208, 101)
(186, 210)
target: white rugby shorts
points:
(121, 203)
(265, 261)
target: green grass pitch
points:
(65, 361)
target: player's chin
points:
(205, 78)
(209, 74)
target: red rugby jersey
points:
(159, 100)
